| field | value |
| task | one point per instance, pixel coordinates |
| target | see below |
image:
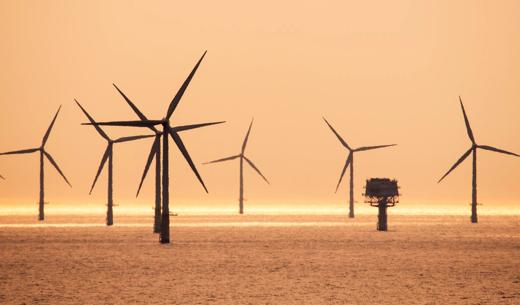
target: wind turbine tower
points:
(167, 132)
(43, 154)
(155, 153)
(473, 151)
(350, 162)
(108, 156)
(242, 157)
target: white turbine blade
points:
(141, 123)
(462, 158)
(155, 147)
(49, 157)
(222, 160)
(491, 148)
(132, 138)
(91, 119)
(19, 152)
(337, 135)
(247, 136)
(180, 93)
(134, 108)
(466, 121)
(48, 132)
(103, 161)
(347, 163)
(364, 148)
(193, 126)
(256, 169)
(184, 151)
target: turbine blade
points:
(486, 147)
(186, 155)
(256, 169)
(373, 147)
(147, 123)
(48, 132)
(222, 160)
(135, 109)
(2, 177)
(347, 163)
(464, 156)
(466, 121)
(247, 136)
(180, 93)
(337, 135)
(91, 119)
(49, 157)
(193, 126)
(153, 151)
(23, 151)
(132, 138)
(103, 161)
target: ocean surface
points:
(260, 259)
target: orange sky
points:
(380, 71)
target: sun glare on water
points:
(314, 209)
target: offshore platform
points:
(381, 193)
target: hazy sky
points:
(380, 71)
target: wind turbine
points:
(242, 158)
(43, 153)
(108, 155)
(2, 177)
(350, 161)
(155, 152)
(473, 150)
(173, 132)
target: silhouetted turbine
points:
(108, 155)
(173, 132)
(473, 150)
(242, 158)
(2, 177)
(350, 161)
(43, 152)
(155, 152)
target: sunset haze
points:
(379, 71)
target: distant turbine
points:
(155, 151)
(173, 132)
(43, 153)
(108, 155)
(242, 158)
(350, 161)
(473, 150)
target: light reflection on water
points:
(189, 224)
(265, 210)
(244, 224)
(311, 216)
